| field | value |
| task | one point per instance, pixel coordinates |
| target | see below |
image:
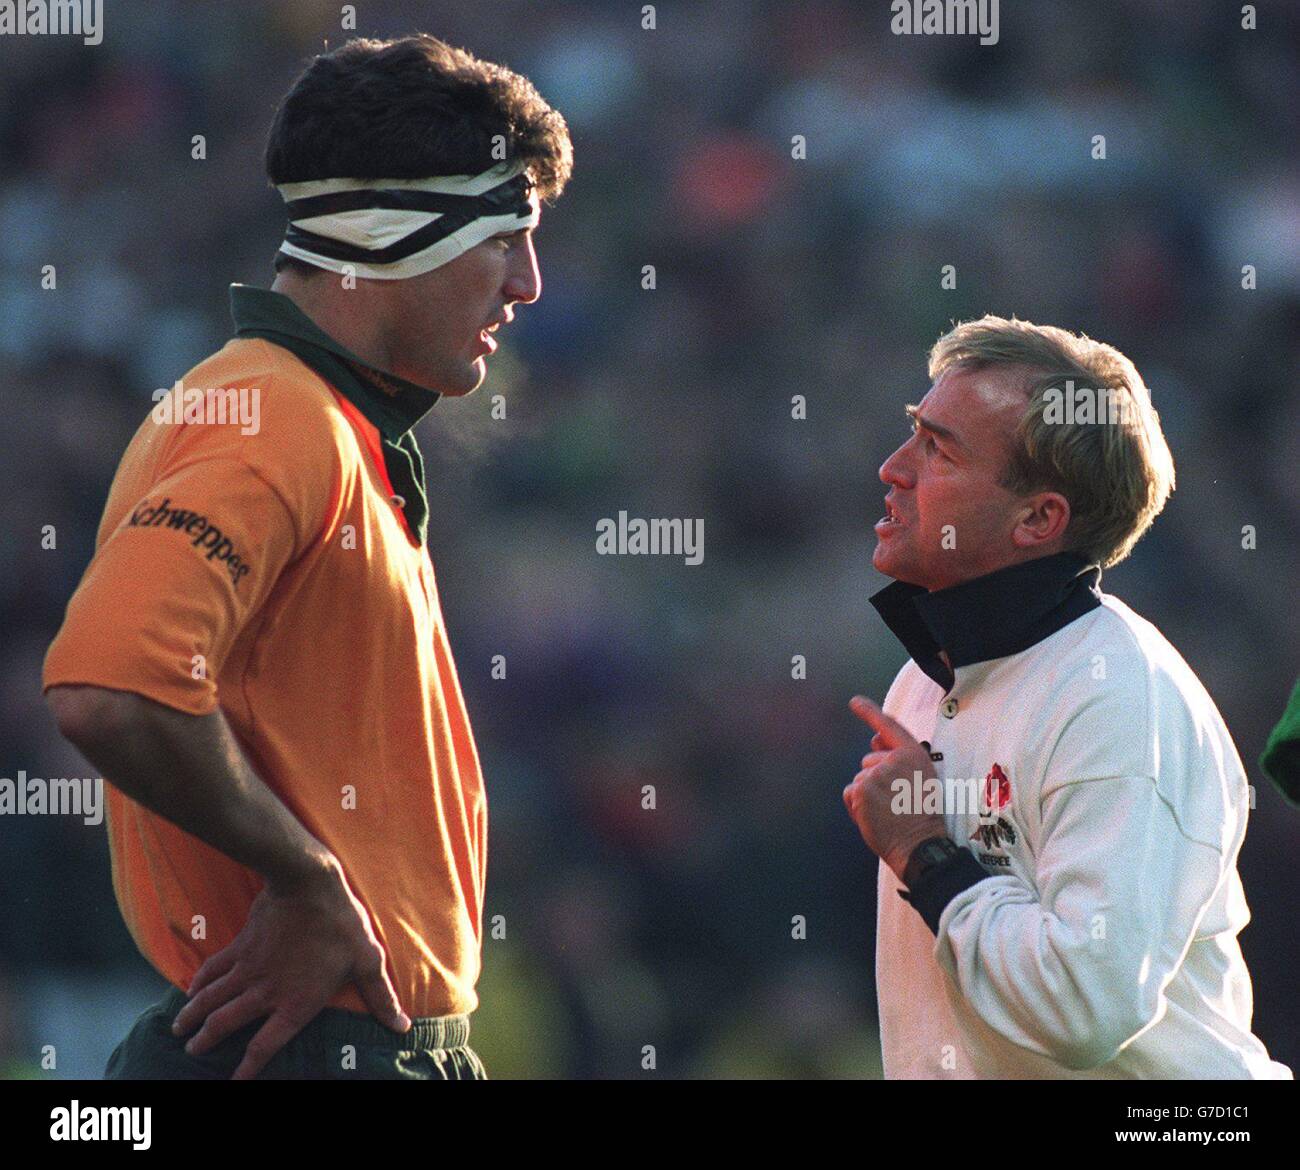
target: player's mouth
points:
(488, 343)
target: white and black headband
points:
(390, 229)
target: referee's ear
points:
(1043, 519)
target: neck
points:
(1017, 557)
(359, 332)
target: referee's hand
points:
(869, 797)
(296, 950)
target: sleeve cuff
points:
(941, 885)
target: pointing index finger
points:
(892, 733)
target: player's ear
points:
(1043, 518)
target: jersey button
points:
(398, 502)
(949, 708)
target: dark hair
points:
(412, 108)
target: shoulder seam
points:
(1155, 784)
(275, 491)
(238, 462)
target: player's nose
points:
(524, 282)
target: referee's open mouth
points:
(890, 520)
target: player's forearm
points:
(190, 770)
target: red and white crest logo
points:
(994, 830)
(997, 790)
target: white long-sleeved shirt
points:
(1103, 942)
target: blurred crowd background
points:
(774, 276)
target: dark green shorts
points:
(336, 1045)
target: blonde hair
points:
(1113, 465)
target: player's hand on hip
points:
(296, 950)
(869, 797)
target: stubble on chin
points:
(882, 562)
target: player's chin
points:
(467, 380)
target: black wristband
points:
(941, 884)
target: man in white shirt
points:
(1055, 799)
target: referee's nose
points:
(896, 471)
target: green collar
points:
(392, 404)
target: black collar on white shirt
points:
(1002, 613)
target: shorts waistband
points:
(337, 1026)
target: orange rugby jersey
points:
(273, 565)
